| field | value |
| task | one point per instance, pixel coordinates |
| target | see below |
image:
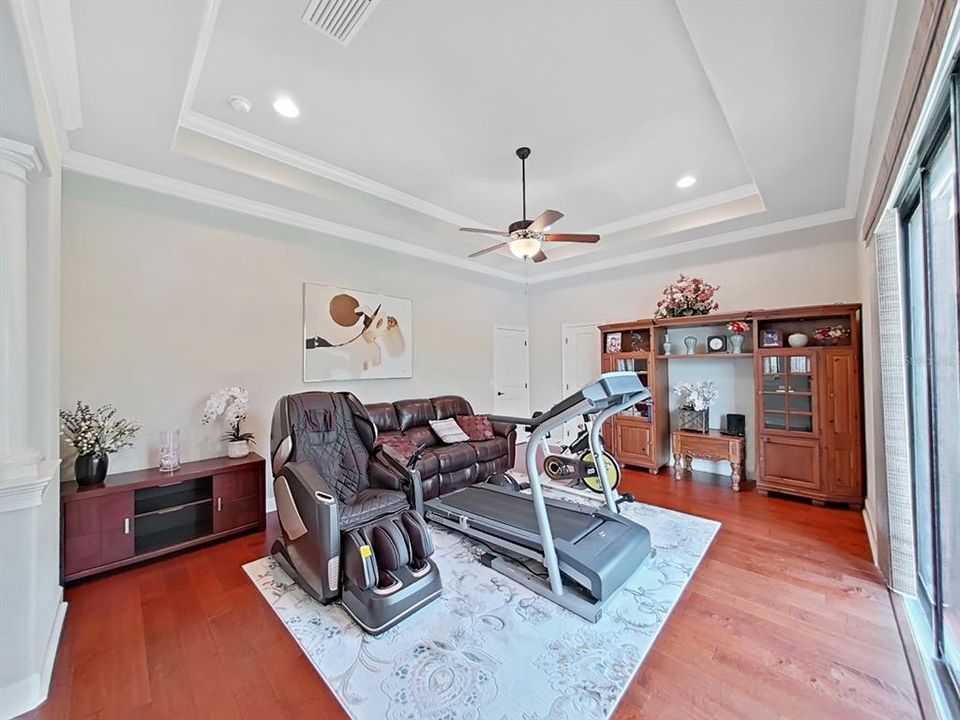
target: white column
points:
(18, 461)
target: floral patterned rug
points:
(489, 648)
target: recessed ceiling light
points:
(686, 181)
(240, 103)
(286, 107)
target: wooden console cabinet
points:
(144, 514)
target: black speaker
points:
(736, 424)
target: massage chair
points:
(345, 505)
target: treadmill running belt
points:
(518, 511)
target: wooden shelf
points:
(684, 356)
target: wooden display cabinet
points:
(809, 423)
(809, 404)
(639, 436)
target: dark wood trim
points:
(152, 477)
(928, 45)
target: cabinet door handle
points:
(219, 504)
(126, 526)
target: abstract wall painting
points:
(355, 335)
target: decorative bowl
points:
(797, 340)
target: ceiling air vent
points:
(338, 19)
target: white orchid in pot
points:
(231, 403)
(95, 434)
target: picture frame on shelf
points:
(771, 338)
(717, 344)
(613, 342)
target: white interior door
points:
(511, 374)
(580, 365)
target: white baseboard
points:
(26, 694)
(871, 537)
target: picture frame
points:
(353, 334)
(717, 344)
(613, 342)
(771, 338)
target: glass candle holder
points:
(169, 450)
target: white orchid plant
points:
(230, 402)
(696, 396)
(98, 432)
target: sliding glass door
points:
(932, 267)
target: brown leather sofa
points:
(444, 468)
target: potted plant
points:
(695, 402)
(739, 328)
(95, 434)
(231, 402)
(687, 297)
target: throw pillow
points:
(477, 427)
(404, 446)
(448, 431)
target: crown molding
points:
(196, 65)
(706, 202)
(21, 154)
(107, 169)
(728, 238)
(878, 21)
(56, 21)
(224, 132)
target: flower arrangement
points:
(738, 327)
(685, 297)
(830, 333)
(696, 396)
(230, 402)
(97, 432)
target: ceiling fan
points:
(528, 236)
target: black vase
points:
(91, 469)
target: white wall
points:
(165, 301)
(805, 267)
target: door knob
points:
(500, 393)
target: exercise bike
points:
(579, 466)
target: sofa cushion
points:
(477, 427)
(422, 436)
(413, 413)
(448, 406)
(384, 416)
(448, 431)
(491, 449)
(453, 457)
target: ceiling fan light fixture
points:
(524, 248)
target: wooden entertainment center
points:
(808, 405)
(144, 514)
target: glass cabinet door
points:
(786, 393)
(641, 366)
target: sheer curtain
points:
(903, 564)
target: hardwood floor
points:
(785, 618)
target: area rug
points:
(489, 648)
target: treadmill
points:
(581, 554)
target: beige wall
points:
(165, 301)
(805, 267)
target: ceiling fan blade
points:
(546, 219)
(571, 238)
(498, 233)
(489, 249)
(539, 257)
